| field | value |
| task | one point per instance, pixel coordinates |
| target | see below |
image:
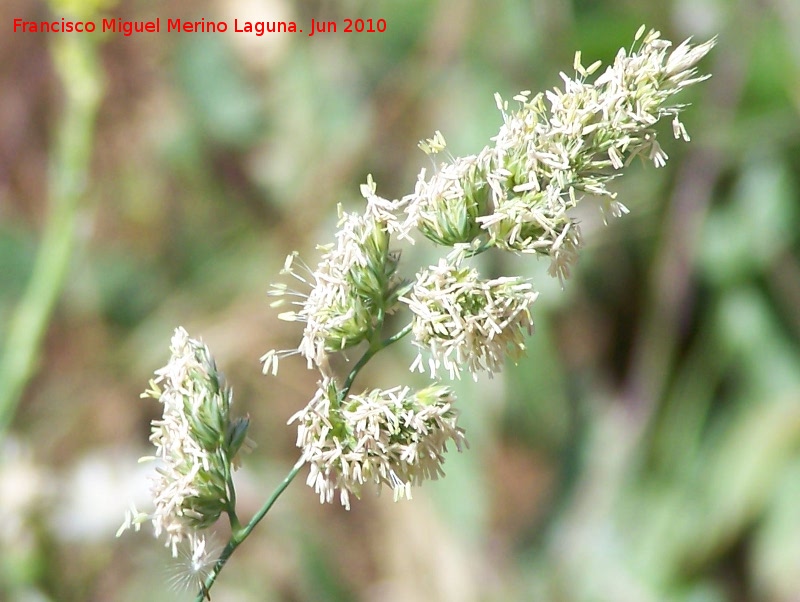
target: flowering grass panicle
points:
(385, 437)
(197, 443)
(516, 195)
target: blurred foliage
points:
(648, 448)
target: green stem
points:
(357, 368)
(370, 353)
(239, 535)
(396, 336)
(78, 69)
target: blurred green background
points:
(648, 448)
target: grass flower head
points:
(387, 437)
(354, 285)
(463, 322)
(197, 444)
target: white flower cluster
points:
(516, 195)
(446, 207)
(555, 148)
(385, 437)
(354, 285)
(196, 444)
(465, 322)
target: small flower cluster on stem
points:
(554, 148)
(466, 322)
(515, 195)
(386, 437)
(197, 446)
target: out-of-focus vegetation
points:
(648, 448)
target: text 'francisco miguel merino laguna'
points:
(259, 28)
